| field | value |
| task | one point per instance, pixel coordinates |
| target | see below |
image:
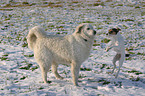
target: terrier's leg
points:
(121, 60)
(116, 58)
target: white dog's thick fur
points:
(53, 50)
(117, 43)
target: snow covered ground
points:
(20, 74)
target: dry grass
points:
(26, 4)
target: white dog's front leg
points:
(75, 68)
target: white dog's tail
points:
(34, 34)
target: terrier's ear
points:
(79, 28)
(118, 29)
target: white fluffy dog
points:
(117, 43)
(50, 50)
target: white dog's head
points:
(86, 31)
(113, 32)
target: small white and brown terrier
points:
(117, 43)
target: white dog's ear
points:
(79, 28)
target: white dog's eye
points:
(88, 28)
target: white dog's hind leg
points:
(45, 64)
(44, 71)
(75, 68)
(54, 70)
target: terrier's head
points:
(113, 31)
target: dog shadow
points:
(112, 83)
